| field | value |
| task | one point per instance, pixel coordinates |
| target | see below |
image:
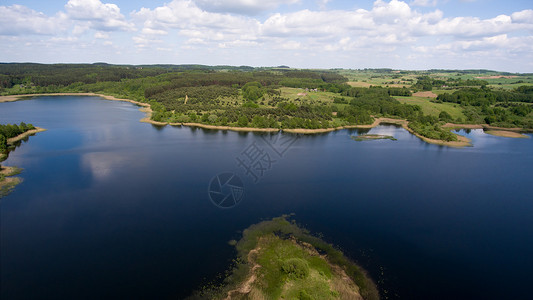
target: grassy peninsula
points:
(277, 259)
(295, 100)
(10, 134)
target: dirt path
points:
(246, 286)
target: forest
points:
(281, 97)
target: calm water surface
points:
(111, 207)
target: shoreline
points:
(509, 134)
(145, 107)
(24, 135)
(9, 181)
(484, 126)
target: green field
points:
(309, 97)
(433, 109)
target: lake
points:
(112, 207)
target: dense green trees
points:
(499, 108)
(252, 91)
(243, 121)
(432, 131)
(3, 143)
(445, 116)
(66, 74)
(8, 131)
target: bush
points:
(243, 121)
(3, 143)
(182, 119)
(212, 119)
(295, 268)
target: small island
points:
(372, 137)
(277, 259)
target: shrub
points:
(295, 268)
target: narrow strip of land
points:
(24, 135)
(504, 133)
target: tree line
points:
(8, 131)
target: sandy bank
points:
(227, 127)
(505, 133)
(462, 126)
(25, 134)
(484, 126)
(311, 131)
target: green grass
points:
(311, 97)
(288, 271)
(509, 86)
(368, 77)
(434, 109)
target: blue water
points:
(111, 207)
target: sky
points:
(409, 35)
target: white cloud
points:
(193, 22)
(322, 3)
(237, 43)
(101, 35)
(245, 7)
(392, 12)
(100, 16)
(150, 31)
(385, 33)
(424, 3)
(388, 26)
(145, 42)
(18, 20)
(525, 16)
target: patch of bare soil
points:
(246, 286)
(427, 94)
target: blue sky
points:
(414, 34)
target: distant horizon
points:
(276, 66)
